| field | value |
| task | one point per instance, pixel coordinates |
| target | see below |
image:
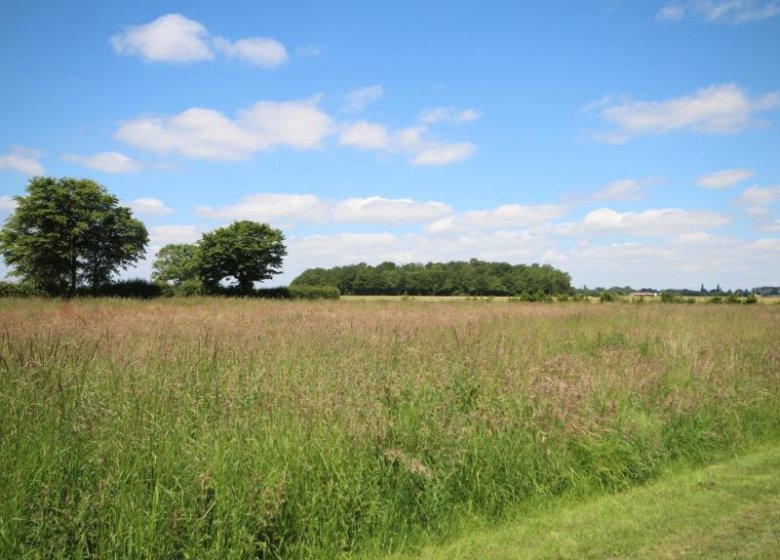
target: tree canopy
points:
(245, 252)
(175, 264)
(473, 277)
(67, 233)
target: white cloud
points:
(259, 51)
(271, 207)
(506, 216)
(295, 208)
(724, 179)
(208, 134)
(22, 160)
(110, 162)
(443, 153)
(755, 196)
(162, 235)
(729, 11)
(169, 38)
(671, 13)
(719, 109)
(149, 206)
(667, 221)
(7, 203)
(357, 100)
(758, 201)
(681, 261)
(177, 39)
(376, 209)
(365, 136)
(625, 189)
(448, 114)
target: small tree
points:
(175, 264)
(244, 251)
(70, 232)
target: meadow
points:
(230, 428)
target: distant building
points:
(644, 294)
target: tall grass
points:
(242, 428)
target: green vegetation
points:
(238, 428)
(246, 252)
(724, 512)
(68, 233)
(474, 278)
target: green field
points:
(229, 428)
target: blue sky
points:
(628, 143)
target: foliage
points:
(313, 292)
(244, 252)
(175, 264)
(67, 233)
(472, 278)
(138, 288)
(607, 297)
(21, 289)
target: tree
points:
(175, 263)
(246, 252)
(70, 232)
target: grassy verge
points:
(726, 511)
(287, 429)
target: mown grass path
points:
(728, 510)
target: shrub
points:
(607, 297)
(12, 289)
(751, 299)
(715, 299)
(313, 292)
(133, 288)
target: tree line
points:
(473, 278)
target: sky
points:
(625, 142)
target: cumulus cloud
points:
(506, 216)
(625, 189)
(728, 11)
(208, 134)
(724, 179)
(365, 136)
(666, 221)
(110, 162)
(357, 100)
(448, 114)
(684, 260)
(7, 203)
(719, 109)
(270, 207)
(177, 39)
(203, 133)
(443, 153)
(149, 206)
(162, 235)
(259, 51)
(758, 201)
(296, 208)
(376, 209)
(22, 160)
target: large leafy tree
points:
(176, 263)
(66, 233)
(244, 252)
